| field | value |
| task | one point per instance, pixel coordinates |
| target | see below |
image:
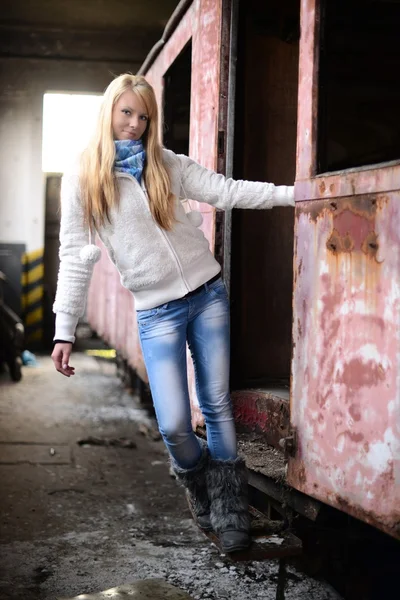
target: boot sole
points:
(205, 529)
(237, 548)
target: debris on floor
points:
(261, 524)
(149, 432)
(29, 359)
(147, 589)
(96, 441)
(79, 520)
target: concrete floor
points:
(79, 519)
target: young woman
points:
(129, 189)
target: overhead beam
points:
(83, 45)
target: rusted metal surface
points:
(284, 495)
(345, 397)
(369, 179)
(345, 403)
(174, 46)
(224, 93)
(350, 183)
(263, 411)
(205, 107)
(308, 90)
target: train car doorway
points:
(264, 150)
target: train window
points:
(177, 86)
(359, 89)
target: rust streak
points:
(355, 412)
(338, 243)
(370, 245)
(366, 207)
(355, 437)
(357, 374)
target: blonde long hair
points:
(97, 179)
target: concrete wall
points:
(22, 183)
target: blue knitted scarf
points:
(130, 157)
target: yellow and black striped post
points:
(32, 295)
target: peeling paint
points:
(266, 412)
(345, 402)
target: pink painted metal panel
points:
(369, 179)
(350, 183)
(345, 402)
(174, 46)
(308, 90)
(204, 109)
(204, 119)
(345, 397)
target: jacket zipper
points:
(144, 193)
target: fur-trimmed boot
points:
(227, 489)
(195, 482)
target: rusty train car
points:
(294, 91)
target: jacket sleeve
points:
(74, 275)
(203, 185)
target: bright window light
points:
(68, 123)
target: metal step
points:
(269, 540)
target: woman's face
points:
(129, 117)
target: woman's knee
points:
(218, 408)
(176, 433)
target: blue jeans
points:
(202, 321)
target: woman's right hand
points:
(60, 357)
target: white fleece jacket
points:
(157, 266)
